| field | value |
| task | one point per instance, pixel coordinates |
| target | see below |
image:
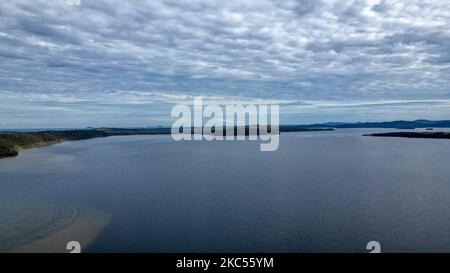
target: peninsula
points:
(436, 135)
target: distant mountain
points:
(157, 127)
(400, 124)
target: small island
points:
(436, 135)
(12, 142)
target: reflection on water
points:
(320, 192)
(40, 163)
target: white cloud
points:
(269, 50)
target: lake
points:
(319, 192)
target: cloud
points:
(279, 50)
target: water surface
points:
(320, 192)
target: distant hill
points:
(400, 124)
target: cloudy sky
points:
(126, 63)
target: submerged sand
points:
(27, 226)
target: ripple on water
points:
(27, 226)
(36, 161)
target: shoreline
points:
(12, 142)
(430, 135)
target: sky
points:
(127, 63)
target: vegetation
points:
(438, 135)
(7, 148)
(12, 142)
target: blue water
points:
(319, 192)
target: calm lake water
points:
(320, 192)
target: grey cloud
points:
(293, 50)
